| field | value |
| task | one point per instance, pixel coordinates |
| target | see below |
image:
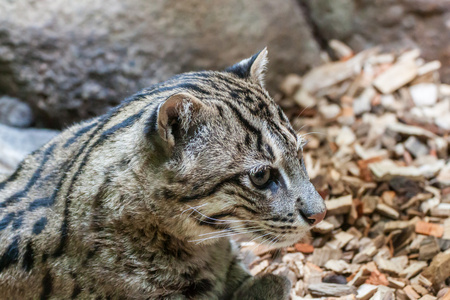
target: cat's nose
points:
(316, 218)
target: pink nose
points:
(317, 218)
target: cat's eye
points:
(260, 178)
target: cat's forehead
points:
(256, 112)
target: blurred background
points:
(366, 81)
(71, 60)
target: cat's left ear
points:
(252, 68)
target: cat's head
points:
(234, 164)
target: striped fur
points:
(109, 210)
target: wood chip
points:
(369, 203)
(383, 293)
(387, 266)
(424, 281)
(409, 130)
(330, 289)
(322, 255)
(438, 271)
(429, 67)
(339, 206)
(365, 255)
(413, 269)
(338, 266)
(341, 50)
(401, 295)
(395, 283)
(304, 248)
(446, 234)
(387, 211)
(420, 289)
(366, 291)
(332, 73)
(396, 77)
(428, 248)
(428, 297)
(399, 225)
(340, 240)
(429, 229)
(387, 169)
(259, 267)
(313, 274)
(323, 227)
(360, 277)
(411, 293)
(441, 210)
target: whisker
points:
(303, 110)
(228, 229)
(192, 207)
(313, 132)
(218, 220)
(232, 233)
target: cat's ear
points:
(253, 67)
(176, 115)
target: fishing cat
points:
(139, 203)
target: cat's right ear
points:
(176, 115)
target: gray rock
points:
(15, 113)
(16, 144)
(71, 60)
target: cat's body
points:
(115, 208)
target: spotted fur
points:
(139, 203)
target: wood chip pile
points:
(378, 126)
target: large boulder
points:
(71, 60)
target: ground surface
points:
(378, 126)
